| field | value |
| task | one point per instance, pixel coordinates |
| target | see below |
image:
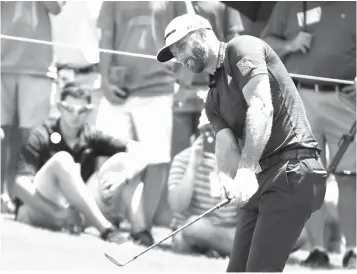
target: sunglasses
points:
(79, 110)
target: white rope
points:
(36, 41)
(323, 79)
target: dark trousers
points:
(273, 219)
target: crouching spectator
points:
(193, 189)
(59, 159)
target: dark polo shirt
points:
(45, 141)
(245, 57)
(333, 26)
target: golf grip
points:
(219, 205)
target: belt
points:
(296, 154)
(319, 87)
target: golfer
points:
(263, 140)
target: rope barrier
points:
(36, 41)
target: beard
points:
(199, 55)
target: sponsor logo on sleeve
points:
(244, 66)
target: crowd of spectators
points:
(94, 138)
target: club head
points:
(110, 258)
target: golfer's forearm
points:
(106, 42)
(180, 197)
(280, 46)
(228, 152)
(28, 194)
(259, 122)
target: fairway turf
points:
(27, 248)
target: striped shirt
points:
(206, 193)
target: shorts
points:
(25, 99)
(330, 119)
(145, 119)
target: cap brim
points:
(164, 55)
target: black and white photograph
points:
(178, 136)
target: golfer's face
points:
(75, 111)
(191, 51)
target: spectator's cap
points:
(179, 28)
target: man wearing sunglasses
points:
(57, 187)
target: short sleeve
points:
(234, 23)
(276, 23)
(211, 106)
(247, 58)
(106, 15)
(30, 153)
(104, 144)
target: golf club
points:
(219, 205)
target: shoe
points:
(143, 238)
(349, 260)
(213, 254)
(317, 258)
(113, 235)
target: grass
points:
(27, 248)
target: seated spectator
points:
(59, 159)
(193, 189)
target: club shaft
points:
(219, 205)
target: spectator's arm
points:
(234, 23)
(273, 33)
(181, 181)
(106, 23)
(54, 7)
(104, 144)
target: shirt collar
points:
(221, 54)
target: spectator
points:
(188, 103)
(25, 86)
(193, 189)
(319, 39)
(77, 25)
(57, 161)
(139, 94)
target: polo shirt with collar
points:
(245, 57)
(46, 140)
(332, 25)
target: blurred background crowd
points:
(160, 105)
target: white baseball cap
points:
(178, 28)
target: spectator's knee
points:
(62, 161)
(193, 232)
